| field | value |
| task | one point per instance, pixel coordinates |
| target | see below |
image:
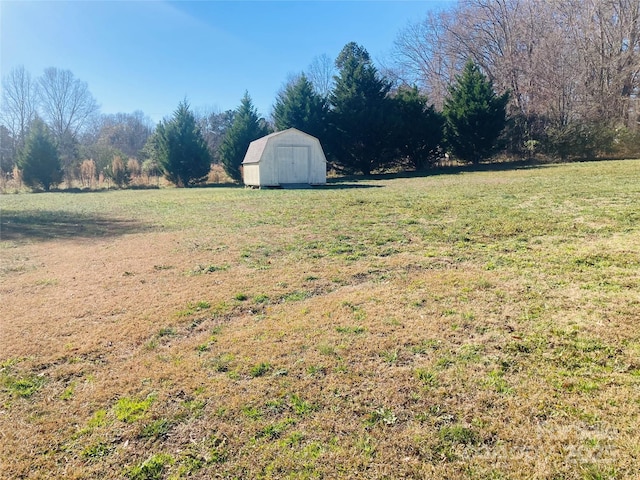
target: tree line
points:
(56, 113)
(364, 124)
(520, 78)
(572, 68)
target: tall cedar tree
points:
(361, 114)
(474, 116)
(420, 133)
(39, 160)
(182, 153)
(246, 128)
(299, 106)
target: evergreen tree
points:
(39, 160)
(474, 116)
(420, 133)
(118, 172)
(246, 128)
(361, 114)
(299, 106)
(182, 153)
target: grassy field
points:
(480, 325)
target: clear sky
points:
(149, 55)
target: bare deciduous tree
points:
(66, 102)
(320, 73)
(19, 103)
(67, 106)
(606, 38)
(562, 61)
(126, 132)
(426, 55)
(214, 124)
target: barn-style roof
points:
(256, 148)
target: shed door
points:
(293, 164)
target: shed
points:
(283, 158)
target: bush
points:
(626, 143)
(118, 172)
(579, 140)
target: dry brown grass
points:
(477, 326)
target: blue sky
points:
(149, 55)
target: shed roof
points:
(254, 152)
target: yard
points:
(479, 325)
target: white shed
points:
(286, 157)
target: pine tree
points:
(474, 116)
(361, 114)
(299, 106)
(247, 127)
(420, 131)
(182, 153)
(39, 160)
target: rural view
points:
(460, 300)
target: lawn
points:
(478, 325)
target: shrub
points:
(118, 172)
(579, 140)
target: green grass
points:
(129, 410)
(97, 451)
(23, 387)
(151, 469)
(157, 428)
(261, 369)
(474, 325)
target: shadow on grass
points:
(42, 225)
(341, 183)
(442, 170)
(103, 189)
(139, 187)
(332, 184)
(219, 185)
(484, 167)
